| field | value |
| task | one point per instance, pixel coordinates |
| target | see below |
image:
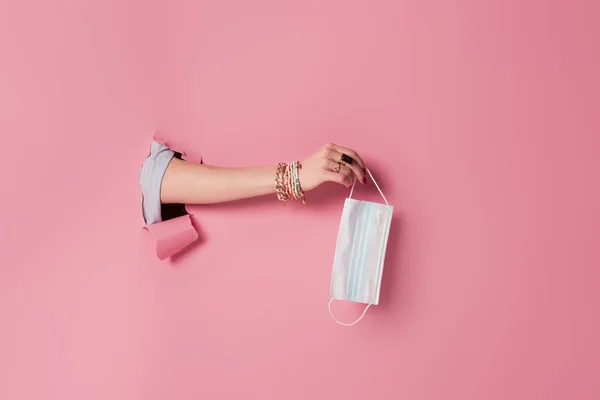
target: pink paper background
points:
(479, 118)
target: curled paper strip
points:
(175, 234)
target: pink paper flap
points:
(173, 235)
(187, 152)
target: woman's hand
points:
(322, 166)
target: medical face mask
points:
(360, 252)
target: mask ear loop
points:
(376, 185)
(343, 323)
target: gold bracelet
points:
(280, 188)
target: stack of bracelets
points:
(287, 182)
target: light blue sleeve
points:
(151, 176)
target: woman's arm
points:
(190, 183)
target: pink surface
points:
(479, 118)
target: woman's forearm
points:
(190, 183)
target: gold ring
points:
(338, 167)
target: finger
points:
(351, 153)
(334, 166)
(339, 178)
(354, 167)
(345, 176)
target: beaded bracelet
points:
(298, 193)
(289, 181)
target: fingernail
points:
(364, 180)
